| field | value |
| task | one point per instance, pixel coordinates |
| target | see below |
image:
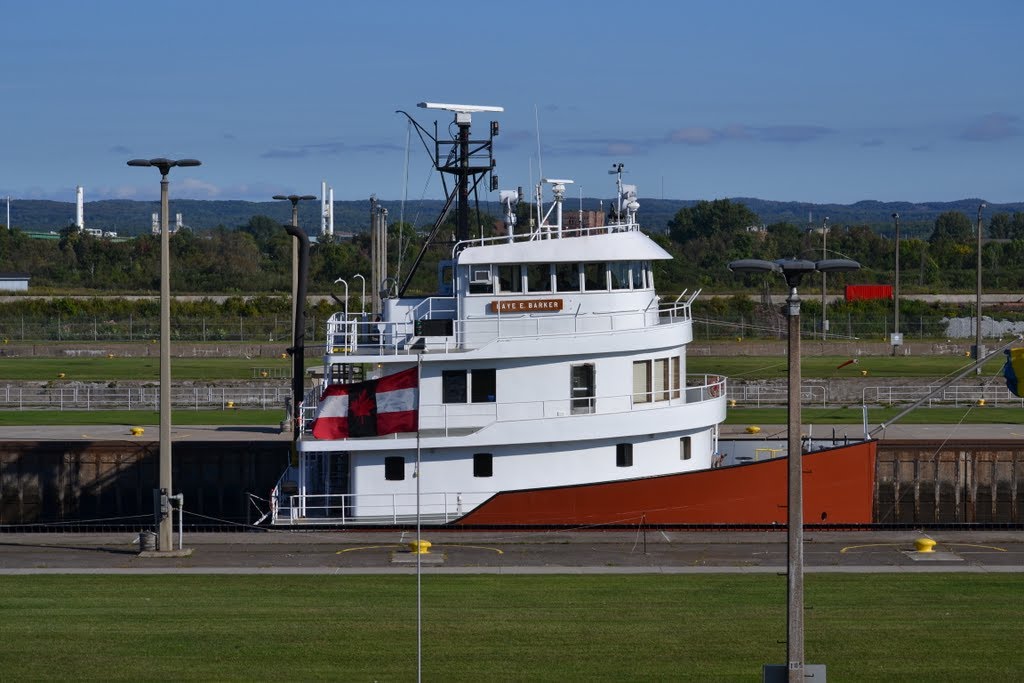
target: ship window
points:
(453, 386)
(480, 279)
(582, 388)
(567, 277)
(594, 277)
(510, 279)
(637, 271)
(394, 468)
(483, 465)
(642, 381)
(675, 377)
(538, 277)
(650, 274)
(619, 271)
(685, 452)
(623, 455)
(660, 377)
(482, 385)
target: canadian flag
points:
(372, 408)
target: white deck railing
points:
(349, 334)
(452, 418)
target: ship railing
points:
(546, 232)
(459, 419)
(374, 508)
(958, 395)
(349, 337)
(758, 395)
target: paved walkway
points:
(516, 552)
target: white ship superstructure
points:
(545, 359)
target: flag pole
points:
(419, 582)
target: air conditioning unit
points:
(480, 277)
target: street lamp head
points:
(836, 265)
(163, 164)
(294, 197)
(753, 265)
(896, 216)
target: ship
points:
(543, 383)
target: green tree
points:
(953, 226)
(705, 219)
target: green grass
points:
(878, 627)
(736, 367)
(21, 418)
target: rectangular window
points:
(649, 272)
(538, 277)
(619, 272)
(594, 277)
(483, 465)
(480, 280)
(623, 455)
(684, 448)
(453, 386)
(509, 279)
(582, 388)
(675, 377)
(636, 269)
(394, 468)
(483, 385)
(660, 377)
(642, 381)
(567, 277)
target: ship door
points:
(582, 388)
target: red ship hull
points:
(838, 489)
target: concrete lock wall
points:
(111, 483)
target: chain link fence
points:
(133, 329)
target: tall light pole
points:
(824, 316)
(793, 270)
(896, 338)
(362, 296)
(295, 199)
(978, 352)
(163, 512)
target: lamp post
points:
(165, 525)
(793, 270)
(824, 316)
(896, 338)
(295, 199)
(978, 353)
(362, 295)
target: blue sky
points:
(809, 101)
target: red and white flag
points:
(372, 408)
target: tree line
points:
(255, 258)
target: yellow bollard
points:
(732, 403)
(231, 404)
(60, 375)
(753, 429)
(137, 431)
(420, 547)
(284, 355)
(924, 545)
(863, 373)
(981, 401)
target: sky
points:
(825, 102)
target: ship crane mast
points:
(462, 157)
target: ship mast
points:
(462, 157)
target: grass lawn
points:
(736, 367)
(878, 627)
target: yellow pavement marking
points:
(477, 547)
(403, 545)
(965, 545)
(868, 545)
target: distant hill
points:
(128, 217)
